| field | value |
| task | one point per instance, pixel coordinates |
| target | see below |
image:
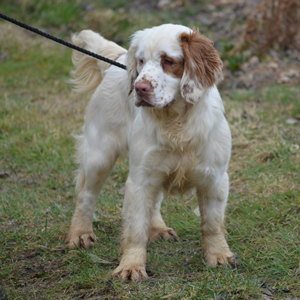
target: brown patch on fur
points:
(201, 59)
(187, 89)
(144, 79)
(175, 68)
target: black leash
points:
(60, 41)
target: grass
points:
(38, 115)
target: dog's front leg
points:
(212, 203)
(136, 213)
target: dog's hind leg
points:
(158, 227)
(95, 166)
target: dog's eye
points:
(168, 62)
(141, 62)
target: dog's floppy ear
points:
(202, 65)
(131, 59)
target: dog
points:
(167, 111)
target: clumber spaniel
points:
(167, 111)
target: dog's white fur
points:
(173, 147)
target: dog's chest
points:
(179, 169)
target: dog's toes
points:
(138, 275)
(166, 233)
(86, 240)
(221, 259)
(170, 234)
(118, 272)
(133, 274)
(233, 260)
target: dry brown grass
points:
(274, 24)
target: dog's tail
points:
(89, 71)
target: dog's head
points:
(168, 62)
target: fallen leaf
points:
(291, 121)
(94, 258)
(167, 296)
(294, 148)
(196, 211)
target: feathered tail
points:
(89, 71)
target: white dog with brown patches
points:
(168, 112)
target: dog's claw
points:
(133, 274)
(221, 259)
(166, 233)
(84, 241)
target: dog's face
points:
(169, 62)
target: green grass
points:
(38, 115)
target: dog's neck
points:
(171, 126)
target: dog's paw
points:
(85, 240)
(221, 259)
(165, 232)
(135, 274)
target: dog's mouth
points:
(145, 103)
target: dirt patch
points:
(256, 73)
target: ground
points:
(39, 113)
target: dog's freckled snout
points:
(142, 88)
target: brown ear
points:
(202, 65)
